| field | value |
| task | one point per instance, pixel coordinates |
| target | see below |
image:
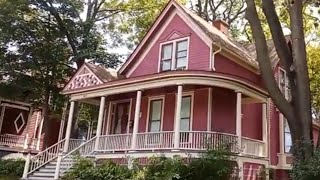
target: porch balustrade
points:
(116, 142)
(253, 147)
(17, 141)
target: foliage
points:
(11, 167)
(313, 53)
(307, 170)
(85, 169)
(214, 164)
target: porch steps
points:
(47, 172)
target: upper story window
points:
(284, 83)
(174, 55)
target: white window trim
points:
(174, 45)
(152, 98)
(109, 119)
(286, 93)
(191, 94)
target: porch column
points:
(239, 118)
(68, 131)
(136, 121)
(3, 110)
(100, 121)
(177, 118)
(265, 128)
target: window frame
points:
(148, 121)
(286, 83)
(285, 123)
(174, 53)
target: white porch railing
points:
(74, 143)
(193, 140)
(253, 147)
(84, 150)
(115, 142)
(11, 140)
(202, 140)
(155, 140)
(45, 156)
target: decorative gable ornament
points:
(82, 79)
(18, 119)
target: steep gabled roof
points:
(251, 48)
(90, 75)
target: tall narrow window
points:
(185, 118)
(185, 113)
(181, 54)
(287, 137)
(155, 115)
(166, 57)
(284, 84)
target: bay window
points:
(174, 55)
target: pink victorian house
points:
(187, 84)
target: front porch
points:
(166, 119)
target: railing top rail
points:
(13, 135)
(160, 132)
(74, 150)
(210, 132)
(109, 135)
(42, 152)
(255, 140)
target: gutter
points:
(213, 57)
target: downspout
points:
(213, 56)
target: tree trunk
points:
(46, 120)
(298, 110)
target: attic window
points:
(174, 55)
(284, 84)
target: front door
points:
(121, 118)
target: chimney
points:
(221, 25)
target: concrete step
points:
(43, 174)
(47, 170)
(41, 178)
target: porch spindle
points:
(136, 121)
(239, 119)
(100, 120)
(177, 118)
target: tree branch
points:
(264, 62)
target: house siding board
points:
(274, 136)
(252, 121)
(144, 117)
(223, 110)
(200, 110)
(251, 171)
(226, 66)
(315, 132)
(169, 111)
(199, 52)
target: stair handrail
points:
(83, 150)
(45, 156)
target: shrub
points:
(214, 164)
(11, 167)
(84, 169)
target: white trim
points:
(281, 133)
(191, 94)
(40, 133)
(209, 120)
(115, 103)
(3, 110)
(153, 98)
(129, 116)
(109, 118)
(208, 80)
(239, 117)
(136, 120)
(15, 106)
(77, 74)
(183, 15)
(36, 126)
(173, 55)
(152, 43)
(18, 129)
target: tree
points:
(293, 58)
(231, 11)
(33, 57)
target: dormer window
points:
(174, 55)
